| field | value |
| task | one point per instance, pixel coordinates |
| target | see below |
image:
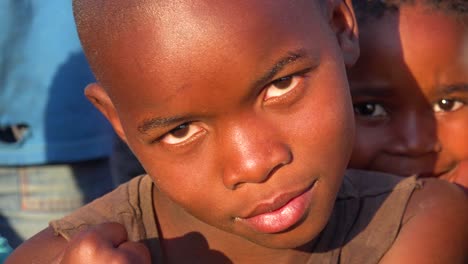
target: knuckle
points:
(120, 259)
(88, 243)
(90, 239)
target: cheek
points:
(184, 178)
(191, 180)
(453, 136)
(326, 130)
(367, 145)
(463, 178)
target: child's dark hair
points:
(376, 8)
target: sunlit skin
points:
(254, 108)
(410, 92)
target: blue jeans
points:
(31, 196)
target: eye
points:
(370, 110)
(282, 86)
(447, 105)
(181, 134)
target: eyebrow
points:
(371, 90)
(278, 66)
(452, 88)
(164, 122)
(159, 122)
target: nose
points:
(416, 135)
(252, 153)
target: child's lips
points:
(426, 172)
(283, 212)
(455, 172)
(439, 172)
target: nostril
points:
(257, 170)
(261, 179)
(273, 170)
(414, 145)
(415, 150)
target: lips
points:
(434, 174)
(454, 172)
(281, 212)
(429, 172)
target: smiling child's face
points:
(410, 92)
(239, 111)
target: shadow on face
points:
(410, 93)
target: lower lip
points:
(283, 218)
(444, 174)
(450, 174)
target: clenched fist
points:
(104, 243)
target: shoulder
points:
(362, 184)
(434, 228)
(437, 195)
(122, 205)
(42, 248)
(369, 209)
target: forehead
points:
(430, 44)
(423, 29)
(169, 42)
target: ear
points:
(98, 96)
(343, 22)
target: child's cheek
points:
(462, 174)
(464, 52)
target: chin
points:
(282, 243)
(291, 239)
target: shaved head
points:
(100, 23)
(118, 25)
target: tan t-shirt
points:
(363, 226)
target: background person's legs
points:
(32, 196)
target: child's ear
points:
(100, 99)
(343, 22)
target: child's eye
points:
(181, 134)
(370, 110)
(447, 105)
(282, 86)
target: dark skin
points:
(245, 103)
(413, 76)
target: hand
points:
(104, 243)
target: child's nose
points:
(253, 152)
(416, 135)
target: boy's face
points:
(239, 110)
(410, 93)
